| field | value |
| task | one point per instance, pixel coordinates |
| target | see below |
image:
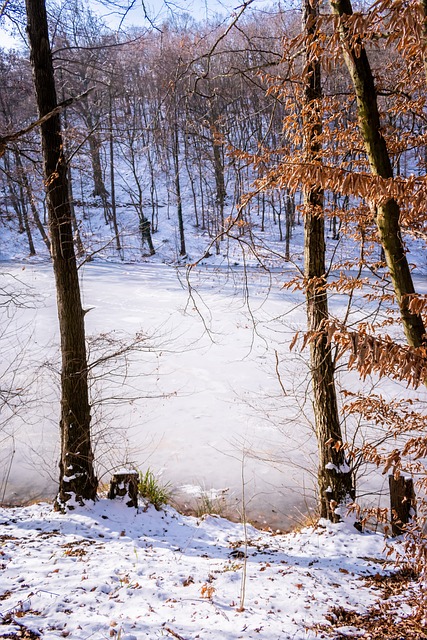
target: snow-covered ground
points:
(111, 571)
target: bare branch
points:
(4, 140)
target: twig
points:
(3, 7)
(173, 633)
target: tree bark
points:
(112, 179)
(125, 485)
(335, 478)
(20, 204)
(175, 153)
(388, 212)
(423, 4)
(77, 481)
(402, 502)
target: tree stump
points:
(124, 484)
(402, 500)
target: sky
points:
(156, 10)
(159, 10)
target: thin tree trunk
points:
(191, 179)
(22, 204)
(77, 236)
(289, 221)
(335, 478)
(202, 195)
(12, 193)
(113, 182)
(99, 188)
(27, 227)
(388, 212)
(175, 152)
(76, 230)
(220, 185)
(262, 211)
(148, 142)
(31, 200)
(77, 481)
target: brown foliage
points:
(375, 354)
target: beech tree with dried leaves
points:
(335, 478)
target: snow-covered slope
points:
(110, 571)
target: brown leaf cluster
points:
(373, 354)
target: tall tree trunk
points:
(388, 212)
(221, 192)
(150, 152)
(218, 163)
(113, 181)
(11, 182)
(77, 236)
(175, 153)
(77, 481)
(99, 188)
(22, 203)
(190, 170)
(335, 478)
(27, 227)
(289, 222)
(31, 200)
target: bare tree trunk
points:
(191, 179)
(22, 204)
(113, 182)
(12, 193)
(30, 197)
(175, 153)
(150, 151)
(221, 192)
(388, 212)
(99, 188)
(26, 221)
(289, 222)
(202, 196)
(77, 237)
(335, 478)
(77, 481)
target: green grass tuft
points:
(153, 490)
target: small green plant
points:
(210, 503)
(150, 488)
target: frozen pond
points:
(201, 404)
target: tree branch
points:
(4, 140)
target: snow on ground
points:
(111, 571)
